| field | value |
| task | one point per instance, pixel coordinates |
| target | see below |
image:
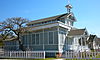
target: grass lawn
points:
(35, 59)
(1, 44)
(98, 56)
(47, 59)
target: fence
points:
(81, 55)
(41, 55)
(23, 54)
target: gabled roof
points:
(71, 16)
(98, 41)
(76, 32)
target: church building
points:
(55, 35)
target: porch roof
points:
(76, 32)
(98, 40)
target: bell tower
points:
(69, 7)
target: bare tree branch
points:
(15, 26)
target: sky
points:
(87, 12)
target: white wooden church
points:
(53, 35)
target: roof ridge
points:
(48, 18)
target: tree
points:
(4, 33)
(15, 27)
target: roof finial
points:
(69, 7)
(68, 1)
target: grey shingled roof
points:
(76, 32)
(53, 18)
(98, 40)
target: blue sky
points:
(87, 12)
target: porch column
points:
(43, 39)
(81, 47)
(58, 39)
(81, 43)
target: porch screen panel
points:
(37, 38)
(41, 38)
(51, 37)
(33, 39)
(25, 39)
(45, 37)
(29, 39)
(56, 37)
